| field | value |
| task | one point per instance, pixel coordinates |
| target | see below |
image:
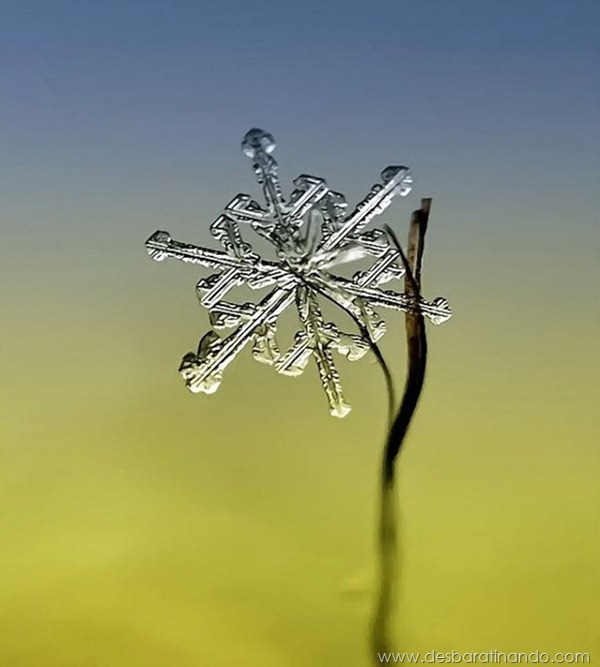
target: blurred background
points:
(141, 525)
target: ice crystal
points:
(311, 233)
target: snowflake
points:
(311, 233)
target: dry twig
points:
(416, 340)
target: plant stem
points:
(416, 340)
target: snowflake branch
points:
(366, 334)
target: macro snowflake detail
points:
(311, 233)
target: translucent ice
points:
(311, 233)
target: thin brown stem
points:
(416, 340)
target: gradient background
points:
(145, 526)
